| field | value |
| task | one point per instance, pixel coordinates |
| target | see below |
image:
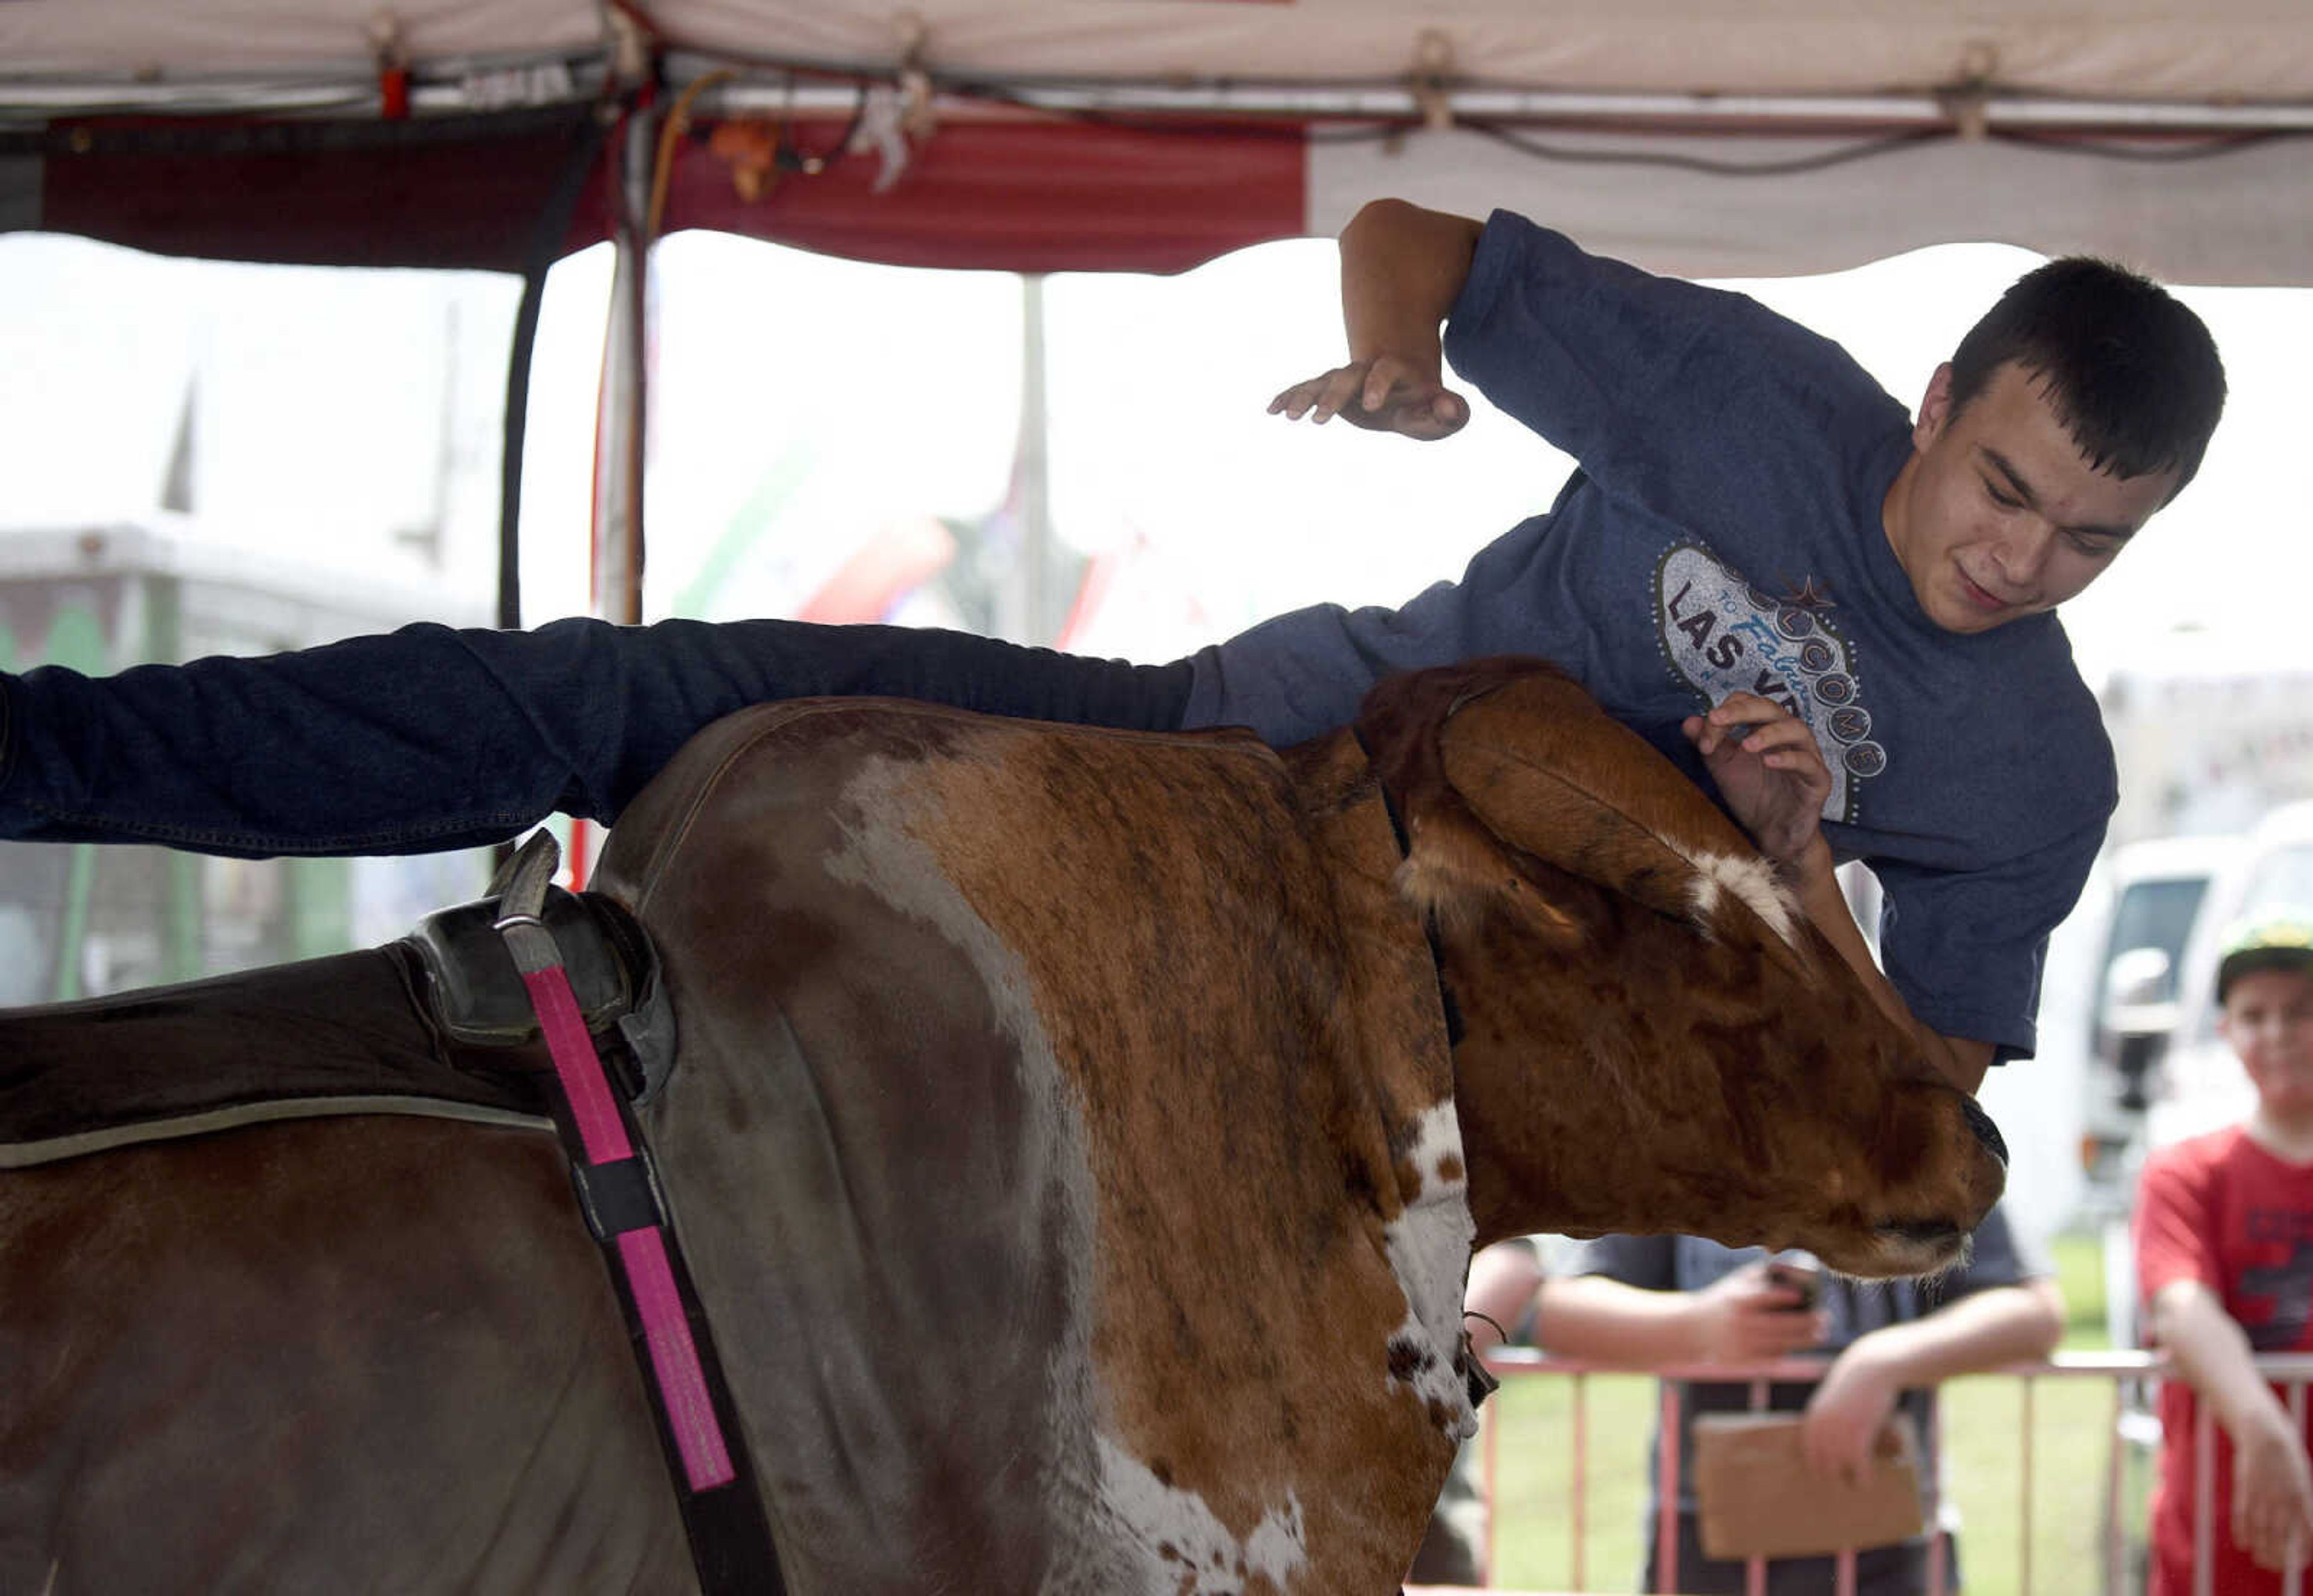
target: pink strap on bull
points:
(637, 1224)
(642, 1250)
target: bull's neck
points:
(1553, 1142)
(1391, 989)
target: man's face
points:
(2268, 1021)
(1998, 514)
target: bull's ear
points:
(1457, 872)
(1544, 769)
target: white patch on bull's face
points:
(1752, 881)
(1187, 1551)
(1429, 1253)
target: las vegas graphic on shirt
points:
(1724, 636)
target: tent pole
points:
(621, 404)
(1032, 486)
(618, 572)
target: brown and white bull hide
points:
(1656, 1037)
(1069, 1152)
(1087, 1230)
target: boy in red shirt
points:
(2224, 1259)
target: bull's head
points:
(1654, 1039)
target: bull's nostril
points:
(1985, 1131)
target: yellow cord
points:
(678, 119)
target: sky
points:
(801, 404)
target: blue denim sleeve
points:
(1688, 399)
(1304, 673)
(429, 738)
(1967, 949)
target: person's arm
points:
(427, 738)
(1402, 270)
(1500, 1290)
(2003, 1324)
(1768, 767)
(2272, 1484)
(1741, 1318)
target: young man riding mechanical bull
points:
(1833, 614)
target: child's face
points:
(2268, 1021)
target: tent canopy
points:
(2218, 51)
(1781, 135)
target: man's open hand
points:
(1385, 394)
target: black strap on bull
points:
(618, 1192)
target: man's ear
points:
(1935, 407)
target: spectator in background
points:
(1658, 1302)
(1498, 1299)
(2224, 1260)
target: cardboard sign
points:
(1759, 1499)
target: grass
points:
(2070, 1433)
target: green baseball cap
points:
(2278, 939)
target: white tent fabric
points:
(2216, 50)
(2244, 217)
(2137, 48)
(2183, 143)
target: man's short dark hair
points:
(2133, 374)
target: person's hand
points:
(2272, 1492)
(1385, 394)
(1746, 1317)
(1768, 769)
(1848, 1414)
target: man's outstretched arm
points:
(427, 738)
(1402, 270)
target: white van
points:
(2199, 1084)
(2156, 890)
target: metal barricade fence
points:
(2131, 1425)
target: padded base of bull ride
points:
(437, 1025)
(440, 1024)
(318, 1038)
(312, 1039)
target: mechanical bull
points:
(1078, 1138)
